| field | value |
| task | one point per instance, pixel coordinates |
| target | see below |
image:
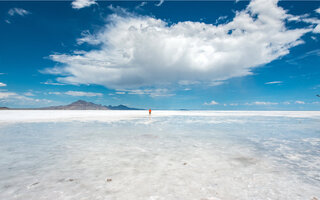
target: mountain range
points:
(77, 105)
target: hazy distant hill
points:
(79, 105)
(121, 107)
(83, 105)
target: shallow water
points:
(185, 155)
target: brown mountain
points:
(84, 105)
(78, 105)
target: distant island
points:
(77, 105)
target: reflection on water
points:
(188, 156)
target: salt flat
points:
(12, 116)
(168, 155)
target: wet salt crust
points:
(203, 155)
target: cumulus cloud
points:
(136, 51)
(18, 11)
(78, 4)
(2, 84)
(211, 103)
(318, 10)
(273, 82)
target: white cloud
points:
(78, 94)
(299, 102)
(262, 103)
(2, 84)
(4, 95)
(78, 4)
(79, 52)
(29, 94)
(317, 28)
(87, 37)
(286, 103)
(273, 82)
(18, 11)
(215, 83)
(211, 103)
(160, 3)
(315, 23)
(7, 21)
(17, 99)
(141, 5)
(210, 83)
(186, 82)
(160, 92)
(136, 51)
(51, 83)
(83, 94)
(120, 93)
(56, 93)
(318, 10)
(221, 19)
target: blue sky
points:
(220, 55)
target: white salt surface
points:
(12, 116)
(205, 155)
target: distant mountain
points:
(78, 105)
(121, 107)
